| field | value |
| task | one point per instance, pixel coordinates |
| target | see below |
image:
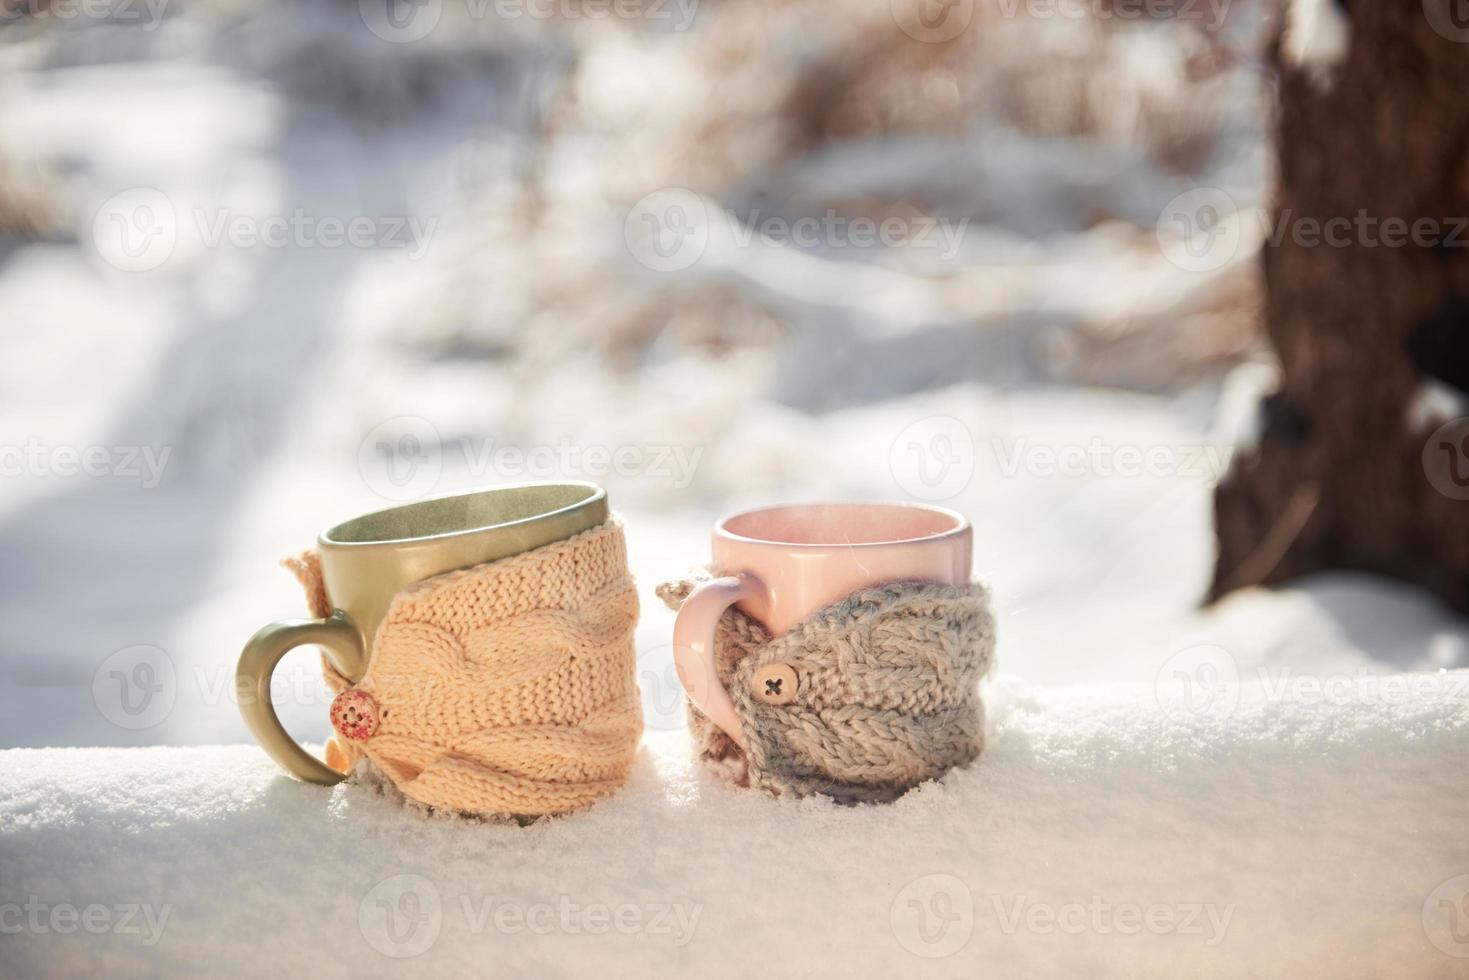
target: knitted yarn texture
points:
(507, 688)
(887, 692)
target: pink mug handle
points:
(693, 646)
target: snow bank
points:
(1130, 829)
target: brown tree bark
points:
(1340, 478)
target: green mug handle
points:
(343, 645)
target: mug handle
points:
(693, 646)
(343, 645)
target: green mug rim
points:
(592, 496)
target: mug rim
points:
(596, 493)
(960, 529)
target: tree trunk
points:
(1353, 469)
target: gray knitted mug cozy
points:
(887, 692)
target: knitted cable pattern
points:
(508, 688)
(887, 692)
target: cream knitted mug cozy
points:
(506, 688)
(886, 692)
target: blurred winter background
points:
(265, 264)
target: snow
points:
(1289, 762)
(1102, 829)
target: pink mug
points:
(780, 564)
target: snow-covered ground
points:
(1098, 834)
(200, 373)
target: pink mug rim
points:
(960, 524)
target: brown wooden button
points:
(774, 684)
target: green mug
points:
(368, 560)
